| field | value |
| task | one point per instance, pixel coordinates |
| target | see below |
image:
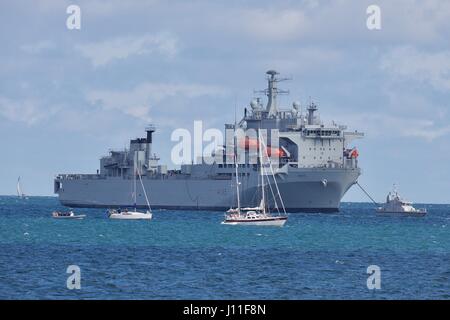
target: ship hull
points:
(302, 190)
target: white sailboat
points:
(20, 193)
(133, 215)
(257, 216)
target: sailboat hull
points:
(272, 221)
(131, 216)
(77, 217)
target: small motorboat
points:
(67, 215)
(396, 205)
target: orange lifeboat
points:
(248, 143)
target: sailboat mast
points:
(237, 184)
(263, 198)
(145, 192)
(235, 162)
(134, 180)
(19, 191)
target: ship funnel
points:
(148, 151)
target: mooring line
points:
(376, 203)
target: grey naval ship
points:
(316, 167)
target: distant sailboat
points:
(20, 193)
(133, 215)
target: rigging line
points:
(145, 192)
(271, 191)
(274, 179)
(276, 186)
(263, 166)
(376, 203)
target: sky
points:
(69, 96)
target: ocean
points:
(190, 255)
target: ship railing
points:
(81, 177)
(332, 165)
(294, 127)
(350, 163)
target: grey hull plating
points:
(302, 190)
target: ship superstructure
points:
(315, 166)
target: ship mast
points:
(272, 92)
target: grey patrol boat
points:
(316, 167)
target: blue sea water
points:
(190, 255)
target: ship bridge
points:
(306, 140)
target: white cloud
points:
(304, 59)
(28, 111)
(138, 101)
(426, 130)
(414, 21)
(388, 126)
(340, 21)
(273, 25)
(111, 7)
(408, 63)
(102, 53)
